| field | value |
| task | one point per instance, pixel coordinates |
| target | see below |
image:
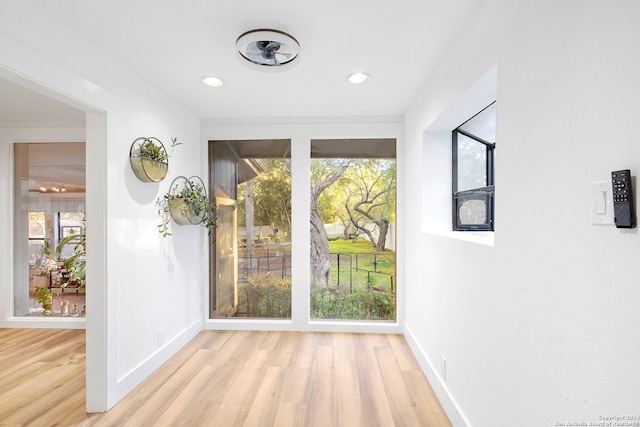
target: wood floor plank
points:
(264, 408)
(295, 385)
(374, 397)
(290, 414)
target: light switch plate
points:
(601, 203)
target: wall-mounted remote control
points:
(623, 209)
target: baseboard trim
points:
(136, 376)
(449, 404)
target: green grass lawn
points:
(353, 246)
(361, 264)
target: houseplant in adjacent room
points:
(186, 203)
(44, 296)
(76, 264)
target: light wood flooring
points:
(42, 377)
(226, 378)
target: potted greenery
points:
(186, 203)
(76, 264)
(43, 296)
(149, 159)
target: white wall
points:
(138, 283)
(539, 326)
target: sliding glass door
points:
(250, 264)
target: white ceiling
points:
(172, 44)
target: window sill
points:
(480, 237)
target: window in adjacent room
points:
(474, 144)
(36, 238)
(70, 224)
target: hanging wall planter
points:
(186, 203)
(182, 206)
(149, 158)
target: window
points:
(352, 219)
(36, 239)
(71, 224)
(353, 207)
(473, 148)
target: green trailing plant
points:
(156, 152)
(76, 264)
(194, 198)
(163, 227)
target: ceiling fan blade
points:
(255, 57)
(253, 48)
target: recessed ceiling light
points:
(268, 50)
(358, 78)
(212, 81)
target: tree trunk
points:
(383, 228)
(320, 257)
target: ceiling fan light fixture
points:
(268, 50)
(358, 78)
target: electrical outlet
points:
(161, 337)
(443, 367)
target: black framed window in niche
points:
(473, 153)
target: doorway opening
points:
(49, 222)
